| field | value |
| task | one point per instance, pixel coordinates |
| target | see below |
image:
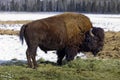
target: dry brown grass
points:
(8, 32)
(12, 32)
(112, 45)
(15, 22)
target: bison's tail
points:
(21, 34)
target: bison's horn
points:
(91, 32)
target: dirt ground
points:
(111, 45)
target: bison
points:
(63, 33)
(93, 43)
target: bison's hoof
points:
(59, 63)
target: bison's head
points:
(93, 42)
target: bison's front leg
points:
(60, 54)
(71, 52)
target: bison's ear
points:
(90, 32)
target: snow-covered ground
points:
(11, 48)
(11, 26)
(12, 16)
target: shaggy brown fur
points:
(64, 33)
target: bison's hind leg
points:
(60, 54)
(31, 56)
(28, 58)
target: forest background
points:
(83, 6)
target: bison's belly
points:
(54, 41)
(52, 44)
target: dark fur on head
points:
(94, 43)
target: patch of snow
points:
(13, 16)
(11, 48)
(109, 22)
(11, 26)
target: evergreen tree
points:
(12, 5)
(91, 6)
